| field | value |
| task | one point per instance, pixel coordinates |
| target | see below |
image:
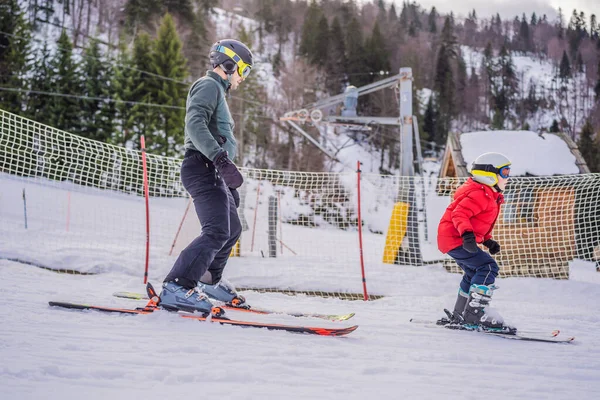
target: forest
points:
(113, 70)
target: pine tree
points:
(554, 128)
(38, 104)
(321, 44)
(565, 67)
(65, 80)
(534, 19)
(309, 30)
(594, 28)
(123, 88)
(144, 116)
(15, 38)
(168, 61)
(429, 121)
(587, 147)
(377, 55)
(357, 62)
(336, 58)
(444, 84)
(138, 11)
(95, 114)
(524, 34)
(432, 20)
(504, 90)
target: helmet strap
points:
(497, 188)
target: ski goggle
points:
(242, 68)
(503, 171)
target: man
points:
(211, 178)
(469, 220)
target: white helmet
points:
(488, 166)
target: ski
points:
(248, 309)
(221, 320)
(514, 334)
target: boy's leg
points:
(483, 268)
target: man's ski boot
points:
(225, 292)
(475, 314)
(177, 298)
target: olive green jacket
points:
(208, 121)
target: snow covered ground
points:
(60, 354)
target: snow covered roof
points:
(531, 154)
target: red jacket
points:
(475, 208)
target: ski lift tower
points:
(402, 240)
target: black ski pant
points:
(205, 257)
(480, 268)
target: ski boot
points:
(456, 316)
(225, 292)
(476, 316)
(177, 298)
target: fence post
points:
(272, 226)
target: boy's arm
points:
(467, 207)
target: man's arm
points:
(201, 105)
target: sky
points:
(510, 8)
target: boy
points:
(469, 220)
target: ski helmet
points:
(488, 166)
(232, 55)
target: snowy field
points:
(60, 354)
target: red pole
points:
(360, 242)
(146, 195)
(187, 208)
(255, 212)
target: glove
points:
(228, 171)
(236, 197)
(492, 245)
(469, 243)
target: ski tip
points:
(130, 295)
(344, 317)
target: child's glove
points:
(492, 246)
(469, 243)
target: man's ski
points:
(329, 317)
(551, 337)
(221, 320)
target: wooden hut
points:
(540, 222)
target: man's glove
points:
(236, 197)
(492, 246)
(228, 171)
(469, 243)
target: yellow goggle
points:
(242, 68)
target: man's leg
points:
(215, 271)
(211, 200)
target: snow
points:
(530, 152)
(61, 354)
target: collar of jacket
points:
(497, 196)
(224, 82)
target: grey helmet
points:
(488, 166)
